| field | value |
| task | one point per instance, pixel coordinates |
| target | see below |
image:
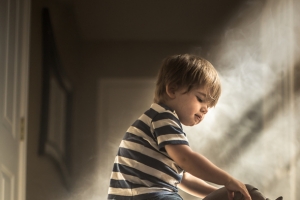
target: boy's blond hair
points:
(187, 71)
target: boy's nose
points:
(204, 109)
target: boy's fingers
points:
(235, 185)
(246, 194)
(230, 195)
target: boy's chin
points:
(190, 124)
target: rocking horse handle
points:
(279, 198)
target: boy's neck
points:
(168, 105)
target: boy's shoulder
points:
(159, 112)
(161, 108)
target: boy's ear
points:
(170, 90)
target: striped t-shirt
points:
(142, 168)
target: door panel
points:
(7, 180)
(9, 145)
(13, 53)
(10, 86)
(9, 41)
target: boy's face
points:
(191, 106)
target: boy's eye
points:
(199, 99)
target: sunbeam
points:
(252, 131)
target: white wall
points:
(93, 61)
(240, 134)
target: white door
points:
(14, 32)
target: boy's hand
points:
(236, 186)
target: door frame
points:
(25, 10)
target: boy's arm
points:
(195, 186)
(201, 167)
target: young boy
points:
(154, 157)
